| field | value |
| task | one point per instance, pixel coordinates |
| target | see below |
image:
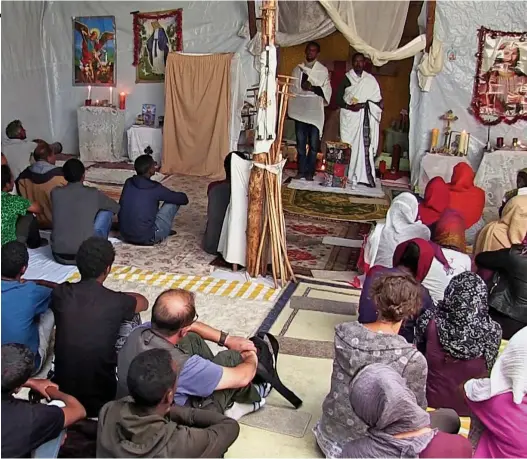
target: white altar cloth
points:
(140, 137)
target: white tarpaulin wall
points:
(37, 58)
(457, 25)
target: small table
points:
(497, 175)
(140, 137)
(436, 165)
(101, 134)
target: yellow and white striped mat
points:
(207, 285)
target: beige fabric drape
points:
(197, 114)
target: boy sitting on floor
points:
(26, 317)
(141, 221)
(146, 424)
(38, 180)
(92, 322)
(26, 426)
(79, 212)
(18, 221)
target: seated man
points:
(79, 212)
(141, 221)
(204, 381)
(92, 321)
(145, 424)
(17, 149)
(219, 195)
(38, 180)
(26, 426)
(26, 317)
(18, 221)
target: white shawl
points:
(401, 226)
(509, 373)
(306, 106)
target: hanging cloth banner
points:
(500, 85)
(265, 132)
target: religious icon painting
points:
(155, 35)
(94, 51)
(500, 85)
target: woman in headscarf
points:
(397, 425)
(449, 231)
(435, 202)
(396, 297)
(401, 225)
(521, 188)
(435, 265)
(507, 286)
(467, 199)
(508, 230)
(499, 404)
(460, 339)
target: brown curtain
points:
(197, 114)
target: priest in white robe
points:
(360, 100)
(312, 90)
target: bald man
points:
(36, 181)
(222, 383)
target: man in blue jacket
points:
(141, 220)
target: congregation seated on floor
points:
(427, 337)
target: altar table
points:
(101, 134)
(141, 137)
(435, 165)
(497, 175)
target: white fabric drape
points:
(232, 244)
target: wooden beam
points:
(430, 21)
(252, 18)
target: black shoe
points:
(172, 233)
(298, 176)
(309, 178)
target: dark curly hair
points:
(17, 366)
(15, 257)
(94, 257)
(397, 296)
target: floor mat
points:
(112, 191)
(115, 176)
(281, 420)
(332, 206)
(316, 185)
(207, 285)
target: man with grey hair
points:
(221, 382)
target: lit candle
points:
(462, 142)
(111, 94)
(97, 102)
(89, 92)
(122, 101)
(435, 138)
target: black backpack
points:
(267, 348)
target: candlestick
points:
(89, 92)
(435, 138)
(111, 96)
(462, 142)
(122, 101)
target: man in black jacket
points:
(141, 220)
(146, 424)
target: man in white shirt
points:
(360, 101)
(312, 91)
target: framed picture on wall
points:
(94, 51)
(155, 35)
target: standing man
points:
(360, 100)
(312, 91)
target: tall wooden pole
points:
(252, 18)
(430, 21)
(256, 182)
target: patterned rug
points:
(332, 206)
(115, 176)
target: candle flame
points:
(123, 94)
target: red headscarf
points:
(435, 202)
(449, 231)
(427, 252)
(467, 199)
